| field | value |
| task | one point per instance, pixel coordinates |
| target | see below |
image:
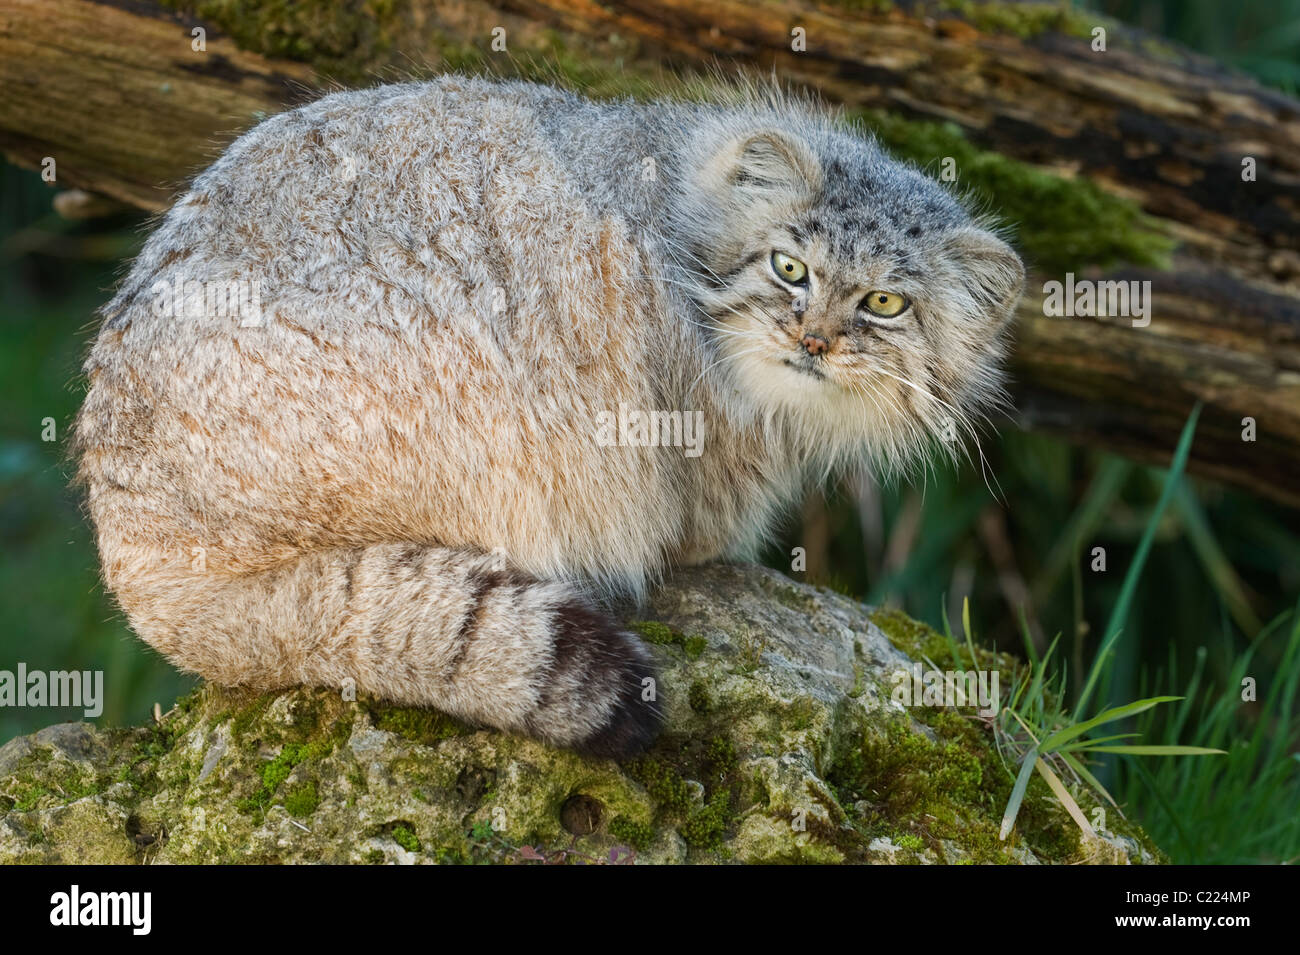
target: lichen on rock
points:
(782, 745)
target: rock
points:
(782, 745)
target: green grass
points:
(1115, 627)
(1235, 805)
(1241, 808)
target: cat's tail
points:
(410, 623)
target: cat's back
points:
(417, 294)
(385, 185)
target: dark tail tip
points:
(619, 672)
(632, 727)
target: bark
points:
(116, 95)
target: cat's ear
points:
(766, 164)
(991, 271)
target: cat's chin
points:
(775, 378)
(833, 419)
(806, 368)
(806, 393)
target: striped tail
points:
(413, 624)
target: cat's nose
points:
(815, 344)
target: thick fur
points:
(396, 480)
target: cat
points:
(398, 392)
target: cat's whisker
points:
(963, 420)
(733, 356)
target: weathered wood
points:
(1212, 338)
(113, 91)
(115, 94)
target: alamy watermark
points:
(75, 907)
(920, 687)
(55, 688)
(235, 298)
(1086, 298)
(630, 428)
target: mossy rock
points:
(782, 745)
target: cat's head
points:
(848, 290)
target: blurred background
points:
(1218, 591)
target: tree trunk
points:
(114, 91)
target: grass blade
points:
(1090, 743)
(1106, 716)
(1120, 613)
(1018, 793)
(1065, 798)
(1159, 750)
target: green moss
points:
(342, 40)
(652, 631)
(869, 6)
(951, 788)
(1023, 20)
(428, 727)
(698, 697)
(273, 774)
(42, 781)
(665, 786)
(1060, 224)
(24, 795)
(306, 713)
(354, 41)
(302, 801)
(275, 771)
(358, 780)
(705, 827)
(910, 842)
(972, 773)
(375, 857)
(859, 680)
(915, 639)
(638, 835)
(799, 715)
(794, 597)
(158, 739)
(405, 838)
(752, 646)
(341, 729)
(1020, 19)
(248, 715)
(713, 764)
(913, 785)
(721, 756)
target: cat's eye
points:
(885, 304)
(789, 269)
